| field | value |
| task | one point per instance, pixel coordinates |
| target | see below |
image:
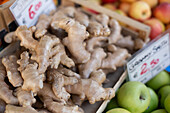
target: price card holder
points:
(26, 12)
(151, 60)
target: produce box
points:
(116, 78)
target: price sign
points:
(151, 60)
(26, 12)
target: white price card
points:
(151, 60)
(26, 12)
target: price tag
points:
(26, 12)
(151, 60)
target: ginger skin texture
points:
(5, 92)
(58, 82)
(33, 81)
(115, 59)
(90, 89)
(93, 64)
(10, 63)
(16, 109)
(115, 31)
(25, 98)
(82, 18)
(10, 37)
(75, 40)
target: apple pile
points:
(136, 97)
(155, 13)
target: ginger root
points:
(10, 63)
(104, 20)
(115, 59)
(99, 76)
(68, 72)
(10, 37)
(93, 64)
(5, 92)
(95, 42)
(90, 89)
(33, 81)
(126, 42)
(75, 40)
(57, 107)
(16, 109)
(82, 18)
(61, 57)
(115, 31)
(58, 82)
(25, 98)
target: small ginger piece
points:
(57, 107)
(139, 43)
(82, 18)
(93, 64)
(95, 29)
(68, 11)
(95, 42)
(99, 76)
(61, 57)
(115, 59)
(25, 98)
(68, 72)
(115, 31)
(104, 20)
(26, 37)
(16, 109)
(5, 92)
(33, 81)
(10, 37)
(43, 52)
(42, 24)
(10, 63)
(58, 82)
(76, 35)
(90, 89)
(125, 42)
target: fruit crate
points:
(116, 78)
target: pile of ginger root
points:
(63, 61)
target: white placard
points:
(26, 12)
(150, 61)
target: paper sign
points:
(26, 12)
(150, 61)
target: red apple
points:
(162, 12)
(110, 6)
(140, 10)
(157, 27)
(124, 6)
(163, 1)
(108, 1)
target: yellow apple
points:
(140, 10)
(124, 6)
(162, 1)
(151, 3)
(129, 1)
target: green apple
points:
(118, 110)
(154, 101)
(134, 96)
(163, 93)
(159, 111)
(112, 104)
(159, 80)
(167, 103)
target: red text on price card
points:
(33, 9)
